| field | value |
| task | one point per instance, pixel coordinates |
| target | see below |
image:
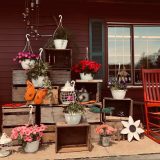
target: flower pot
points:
(38, 82)
(105, 140)
(72, 118)
(31, 146)
(27, 64)
(118, 94)
(87, 76)
(60, 43)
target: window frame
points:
(131, 26)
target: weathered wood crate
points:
(18, 94)
(60, 76)
(49, 134)
(71, 138)
(13, 117)
(49, 116)
(55, 114)
(16, 116)
(52, 114)
(19, 77)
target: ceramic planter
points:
(60, 43)
(72, 119)
(31, 146)
(105, 140)
(87, 76)
(118, 94)
(27, 64)
(38, 82)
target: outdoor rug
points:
(47, 152)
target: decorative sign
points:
(132, 129)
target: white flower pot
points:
(118, 94)
(60, 43)
(27, 64)
(31, 146)
(38, 82)
(87, 76)
(72, 118)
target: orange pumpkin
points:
(41, 93)
(30, 91)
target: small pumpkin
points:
(30, 91)
(41, 93)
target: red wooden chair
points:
(151, 86)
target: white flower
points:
(131, 128)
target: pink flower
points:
(25, 55)
(14, 135)
(28, 133)
(28, 139)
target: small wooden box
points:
(70, 138)
(60, 76)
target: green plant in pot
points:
(38, 73)
(118, 88)
(60, 38)
(73, 113)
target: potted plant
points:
(28, 136)
(105, 131)
(118, 88)
(73, 113)
(60, 38)
(26, 59)
(86, 68)
(38, 73)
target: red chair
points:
(151, 86)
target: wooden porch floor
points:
(117, 149)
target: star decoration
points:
(132, 129)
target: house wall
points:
(75, 17)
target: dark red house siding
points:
(76, 16)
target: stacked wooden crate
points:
(14, 117)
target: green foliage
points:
(60, 33)
(40, 69)
(116, 85)
(75, 108)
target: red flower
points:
(86, 66)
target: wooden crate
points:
(19, 77)
(70, 138)
(49, 134)
(60, 76)
(16, 116)
(18, 94)
(51, 114)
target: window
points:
(129, 47)
(146, 49)
(119, 52)
(132, 47)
